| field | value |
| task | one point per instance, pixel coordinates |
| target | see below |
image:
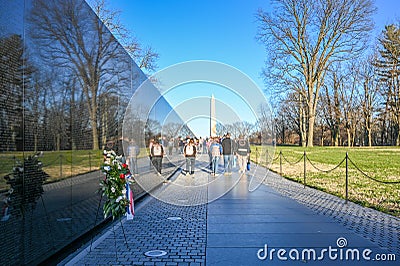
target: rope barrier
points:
(292, 163)
(273, 159)
(335, 167)
(50, 163)
(376, 180)
(66, 160)
(322, 170)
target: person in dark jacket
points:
(242, 152)
(228, 150)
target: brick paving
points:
(230, 230)
(376, 226)
(184, 239)
(66, 210)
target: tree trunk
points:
(92, 106)
(302, 128)
(369, 138)
(93, 123)
(58, 141)
(322, 136)
(369, 131)
(353, 136)
(398, 130)
(95, 135)
(336, 143)
(335, 136)
(104, 124)
(310, 135)
(348, 137)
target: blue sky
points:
(217, 30)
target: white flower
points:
(118, 199)
(113, 189)
(107, 168)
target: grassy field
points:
(380, 163)
(58, 164)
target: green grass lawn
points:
(58, 164)
(381, 163)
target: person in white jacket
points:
(190, 154)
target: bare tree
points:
(330, 103)
(368, 96)
(348, 89)
(71, 37)
(171, 129)
(388, 66)
(145, 57)
(304, 37)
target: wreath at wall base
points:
(115, 185)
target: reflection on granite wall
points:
(65, 83)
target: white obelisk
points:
(213, 121)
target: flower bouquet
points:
(115, 186)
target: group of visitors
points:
(225, 148)
(230, 150)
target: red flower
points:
(124, 165)
(122, 176)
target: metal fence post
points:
(347, 176)
(280, 162)
(305, 167)
(266, 158)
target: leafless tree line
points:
(66, 83)
(331, 89)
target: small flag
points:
(130, 209)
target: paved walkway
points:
(280, 220)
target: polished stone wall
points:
(65, 83)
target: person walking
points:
(228, 149)
(170, 146)
(157, 154)
(242, 152)
(181, 145)
(151, 143)
(133, 152)
(216, 151)
(189, 152)
(208, 145)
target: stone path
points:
(243, 228)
